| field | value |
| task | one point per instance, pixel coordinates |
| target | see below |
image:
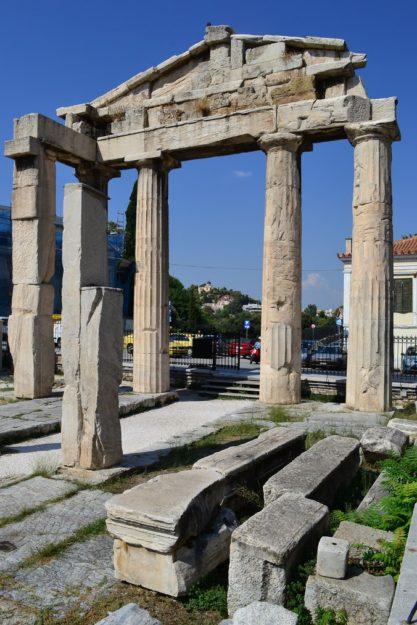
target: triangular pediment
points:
(224, 73)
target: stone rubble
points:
(129, 614)
(174, 528)
(407, 426)
(383, 442)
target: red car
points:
(245, 348)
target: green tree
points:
(130, 232)
(195, 319)
(178, 296)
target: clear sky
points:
(55, 53)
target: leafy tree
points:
(178, 296)
(112, 227)
(130, 232)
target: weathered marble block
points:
(319, 472)
(382, 442)
(174, 573)
(101, 373)
(32, 346)
(267, 547)
(332, 557)
(365, 598)
(167, 510)
(256, 460)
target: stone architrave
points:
(281, 289)
(151, 305)
(30, 328)
(101, 340)
(368, 385)
(84, 258)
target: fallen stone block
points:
(266, 548)
(407, 426)
(366, 599)
(377, 492)
(262, 613)
(129, 614)
(332, 557)
(317, 473)
(256, 460)
(174, 573)
(166, 510)
(405, 594)
(382, 442)
(358, 534)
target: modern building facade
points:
(405, 285)
(121, 272)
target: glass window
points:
(403, 295)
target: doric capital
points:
(365, 131)
(280, 140)
(159, 160)
(96, 175)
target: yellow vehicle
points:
(180, 345)
(128, 343)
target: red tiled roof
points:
(402, 247)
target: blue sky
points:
(55, 53)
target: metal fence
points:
(210, 351)
(327, 355)
(405, 359)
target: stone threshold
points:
(20, 421)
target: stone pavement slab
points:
(83, 572)
(50, 526)
(38, 417)
(146, 437)
(31, 493)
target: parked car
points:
(128, 343)
(329, 356)
(180, 345)
(244, 346)
(409, 360)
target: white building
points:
(405, 292)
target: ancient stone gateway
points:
(228, 93)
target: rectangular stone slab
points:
(32, 493)
(365, 598)
(52, 525)
(318, 472)
(166, 510)
(258, 458)
(265, 549)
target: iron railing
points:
(209, 351)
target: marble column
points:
(30, 327)
(370, 317)
(151, 314)
(280, 378)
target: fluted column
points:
(151, 314)
(280, 378)
(370, 316)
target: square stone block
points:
(33, 251)
(332, 557)
(32, 347)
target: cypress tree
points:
(130, 232)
